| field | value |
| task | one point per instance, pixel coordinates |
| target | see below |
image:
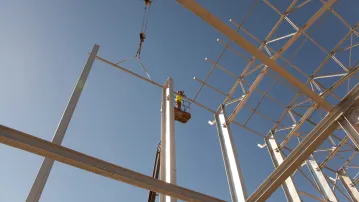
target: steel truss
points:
(301, 114)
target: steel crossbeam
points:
(74, 158)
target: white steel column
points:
(168, 146)
(320, 179)
(308, 145)
(234, 174)
(351, 130)
(44, 172)
(349, 185)
(276, 155)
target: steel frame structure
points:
(304, 108)
(316, 96)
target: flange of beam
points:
(250, 48)
(74, 158)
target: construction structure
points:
(317, 126)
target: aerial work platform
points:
(183, 115)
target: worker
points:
(148, 2)
(179, 96)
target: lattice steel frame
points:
(313, 104)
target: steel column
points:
(44, 172)
(320, 179)
(314, 139)
(351, 130)
(349, 185)
(230, 158)
(168, 146)
(289, 188)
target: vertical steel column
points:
(168, 146)
(289, 188)
(320, 179)
(349, 185)
(44, 172)
(234, 174)
(351, 130)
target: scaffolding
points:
(294, 139)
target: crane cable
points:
(142, 37)
(143, 33)
(144, 26)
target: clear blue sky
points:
(44, 45)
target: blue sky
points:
(44, 46)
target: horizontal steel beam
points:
(62, 154)
(151, 82)
(250, 48)
(312, 141)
